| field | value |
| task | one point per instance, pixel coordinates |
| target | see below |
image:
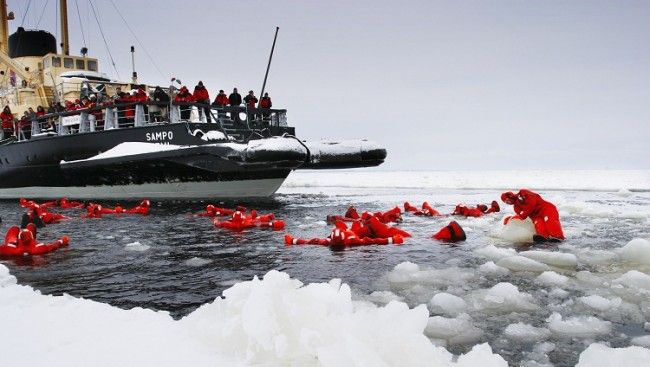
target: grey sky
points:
(442, 84)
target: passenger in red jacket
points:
(7, 122)
(221, 100)
(544, 214)
(201, 95)
(184, 96)
(265, 102)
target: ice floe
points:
(275, 320)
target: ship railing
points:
(137, 114)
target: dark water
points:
(189, 262)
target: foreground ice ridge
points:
(271, 321)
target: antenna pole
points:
(65, 42)
(134, 78)
(4, 27)
(269, 65)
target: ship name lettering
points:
(160, 135)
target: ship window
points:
(81, 64)
(56, 62)
(68, 63)
(92, 65)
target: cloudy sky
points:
(442, 84)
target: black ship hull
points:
(37, 167)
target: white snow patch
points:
(517, 231)
(448, 304)
(526, 332)
(136, 246)
(521, 263)
(197, 261)
(600, 303)
(636, 251)
(459, 330)
(578, 326)
(599, 355)
(557, 259)
(552, 278)
(503, 298)
(494, 253)
(491, 268)
(643, 341)
(273, 321)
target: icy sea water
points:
(173, 261)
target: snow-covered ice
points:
(275, 320)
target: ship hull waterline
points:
(250, 188)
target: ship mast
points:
(65, 43)
(4, 27)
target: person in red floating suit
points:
(30, 204)
(96, 210)
(22, 242)
(64, 203)
(477, 211)
(453, 232)
(212, 211)
(426, 210)
(240, 222)
(528, 204)
(350, 215)
(50, 218)
(342, 236)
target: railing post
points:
(109, 118)
(92, 121)
(62, 130)
(139, 115)
(83, 122)
(174, 114)
(36, 128)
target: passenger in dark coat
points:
(234, 98)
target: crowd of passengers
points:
(11, 125)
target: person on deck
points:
(159, 96)
(250, 99)
(265, 102)
(184, 96)
(7, 122)
(234, 98)
(201, 95)
(221, 100)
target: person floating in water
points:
(453, 232)
(426, 210)
(478, 211)
(240, 221)
(545, 217)
(23, 242)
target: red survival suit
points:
(372, 232)
(453, 232)
(426, 210)
(96, 210)
(351, 215)
(478, 211)
(22, 242)
(213, 211)
(543, 214)
(240, 221)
